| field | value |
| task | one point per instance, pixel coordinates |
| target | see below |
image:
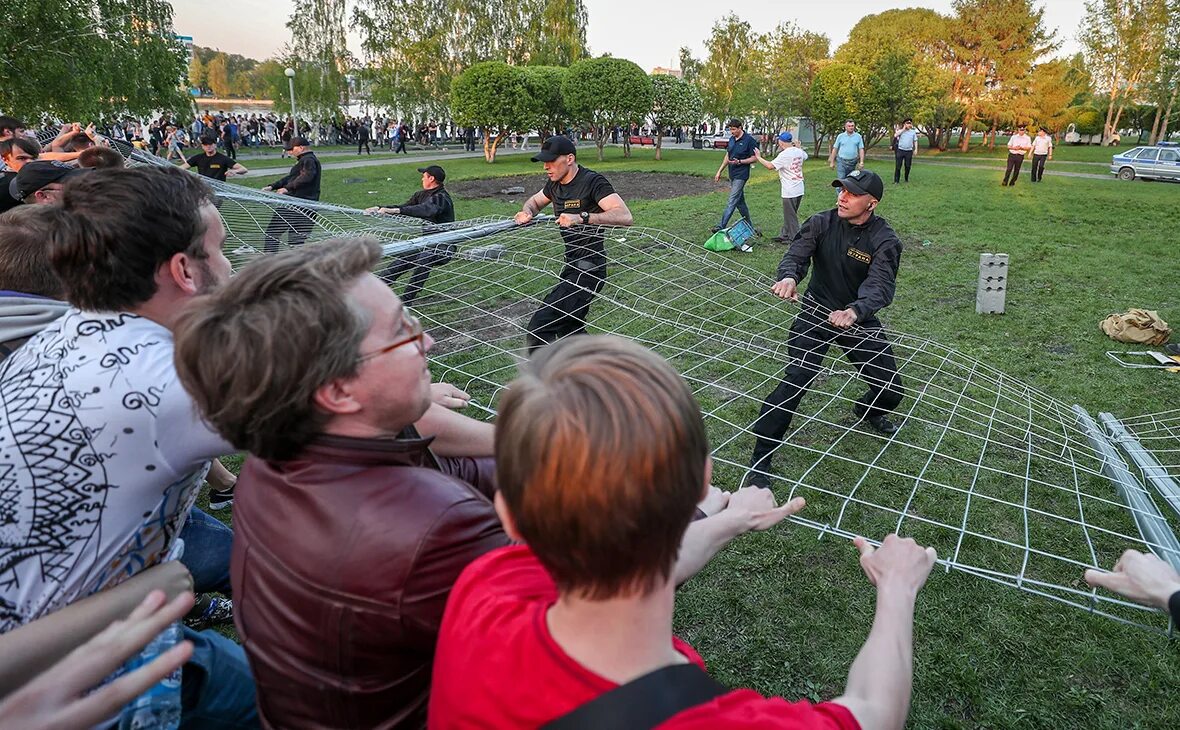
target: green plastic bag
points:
(719, 241)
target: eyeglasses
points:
(418, 335)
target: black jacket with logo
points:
(303, 181)
(855, 266)
(433, 205)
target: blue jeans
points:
(216, 687)
(843, 167)
(207, 546)
(737, 199)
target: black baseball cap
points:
(555, 147)
(435, 172)
(295, 142)
(860, 182)
(37, 174)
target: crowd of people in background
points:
(393, 562)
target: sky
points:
(257, 28)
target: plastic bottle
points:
(159, 707)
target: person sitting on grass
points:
(601, 455)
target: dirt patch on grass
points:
(502, 325)
(629, 185)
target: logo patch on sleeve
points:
(860, 256)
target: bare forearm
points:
(620, 216)
(704, 539)
(455, 434)
(34, 647)
(881, 677)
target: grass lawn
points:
(786, 613)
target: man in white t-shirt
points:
(1042, 149)
(101, 449)
(1018, 146)
(789, 165)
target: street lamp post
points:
(290, 72)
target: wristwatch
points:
(585, 218)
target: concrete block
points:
(993, 283)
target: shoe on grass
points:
(756, 479)
(220, 499)
(879, 422)
(209, 611)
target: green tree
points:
(920, 36)
(1087, 121)
(690, 66)
(785, 62)
(991, 48)
(892, 95)
(86, 61)
(414, 49)
(727, 75)
(605, 92)
(196, 72)
(675, 103)
(319, 54)
(217, 76)
(836, 95)
(1123, 41)
(557, 36)
(543, 87)
(493, 96)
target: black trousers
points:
(401, 145)
(363, 143)
(229, 148)
(293, 220)
(422, 263)
(900, 157)
(1013, 168)
(867, 347)
(564, 310)
(1038, 167)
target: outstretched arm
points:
(749, 508)
(881, 677)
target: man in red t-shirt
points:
(601, 458)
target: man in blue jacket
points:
(739, 155)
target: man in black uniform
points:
(583, 201)
(362, 137)
(212, 164)
(856, 256)
(303, 182)
(432, 204)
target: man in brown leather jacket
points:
(362, 501)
